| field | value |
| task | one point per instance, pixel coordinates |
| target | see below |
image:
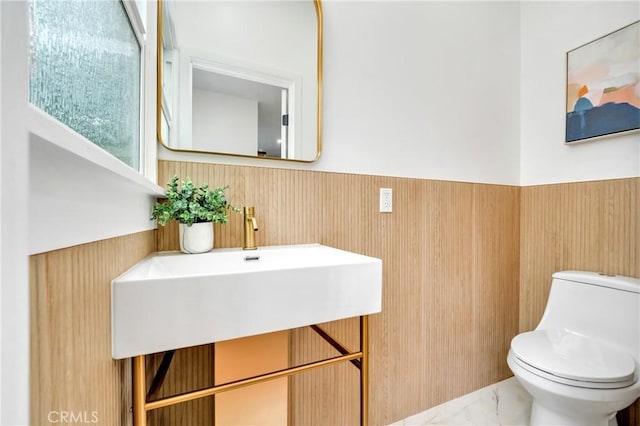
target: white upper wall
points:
(423, 89)
(548, 31)
(418, 89)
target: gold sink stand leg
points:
(141, 406)
(139, 391)
(364, 370)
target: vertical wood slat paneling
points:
(452, 278)
(449, 251)
(495, 287)
(71, 366)
(191, 369)
(591, 226)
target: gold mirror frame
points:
(318, 7)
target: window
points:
(86, 62)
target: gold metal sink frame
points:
(144, 401)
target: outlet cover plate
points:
(386, 200)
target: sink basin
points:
(172, 300)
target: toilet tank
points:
(595, 305)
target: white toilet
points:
(582, 362)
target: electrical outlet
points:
(386, 200)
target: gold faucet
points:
(250, 228)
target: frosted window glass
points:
(85, 71)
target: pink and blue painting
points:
(603, 85)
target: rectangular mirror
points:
(241, 78)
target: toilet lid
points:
(573, 356)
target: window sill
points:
(79, 193)
(62, 137)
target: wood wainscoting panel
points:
(73, 376)
(591, 226)
(496, 283)
(191, 369)
(450, 280)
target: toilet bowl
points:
(581, 363)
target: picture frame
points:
(603, 86)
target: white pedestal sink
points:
(172, 300)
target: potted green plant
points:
(196, 208)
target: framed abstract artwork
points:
(603, 86)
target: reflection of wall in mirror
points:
(224, 123)
(259, 33)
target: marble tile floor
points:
(505, 403)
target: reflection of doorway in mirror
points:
(238, 117)
(223, 123)
(238, 110)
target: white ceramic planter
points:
(197, 238)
